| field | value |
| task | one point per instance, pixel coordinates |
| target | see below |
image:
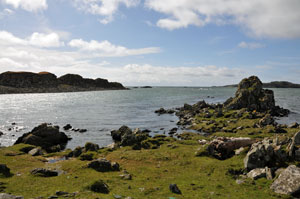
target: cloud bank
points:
(259, 18)
(28, 5)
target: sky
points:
(153, 42)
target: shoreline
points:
(245, 152)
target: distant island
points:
(274, 84)
(45, 82)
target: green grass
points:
(152, 170)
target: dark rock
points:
(173, 131)
(294, 125)
(61, 193)
(266, 120)
(76, 152)
(163, 111)
(288, 182)
(103, 165)
(46, 136)
(67, 127)
(4, 170)
(91, 147)
(100, 187)
(82, 130)
(44, 172)
(117, 134)
(174, 189)
(1, 133)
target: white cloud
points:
(28, 5)
(36, 39)
(261, 18)
(251, 45)
(107, 49)
(6, 12)
(105, 8)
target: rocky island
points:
(236, 150)
(45, 82)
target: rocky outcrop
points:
(266, 153)
(46, 136)
(288, 182)
(27, 82)
(126, 137)
(251, 95)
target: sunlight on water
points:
(102, 111)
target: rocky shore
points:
(236, 150)
(45, 82)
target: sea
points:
(103, 111)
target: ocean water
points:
(102, 111)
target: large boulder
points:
(251, 95)
(103, 165)
(265, 153)
(288, 182)
(46, 136)
(4, 170)
(223, 147)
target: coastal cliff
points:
(45, 82)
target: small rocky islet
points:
(239, 151)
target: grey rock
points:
(8, 196)
(256, 173)
(36, 152)
(288, 182)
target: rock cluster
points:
(266, 153)
(46, 136)
(126, 137)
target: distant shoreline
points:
(274, 84)
(45, 82)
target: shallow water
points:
(102, 111)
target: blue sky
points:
(153, 42)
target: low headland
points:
(45, 82)
(236, 150)
(274, 84)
